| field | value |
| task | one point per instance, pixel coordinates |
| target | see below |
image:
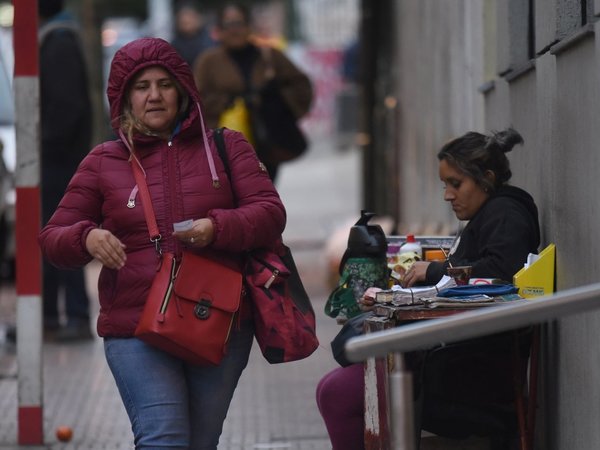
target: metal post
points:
(28, 279)
(402, 420)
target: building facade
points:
(461, 65)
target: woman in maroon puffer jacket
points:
(155, 110)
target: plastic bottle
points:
(411, 245)
(392, 253)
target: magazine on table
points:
(446, 294)
(399, 296)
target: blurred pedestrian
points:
(155, 109)
(348, 98)
(66, 129)
(192, 33)
(238, 69)
(350, 69)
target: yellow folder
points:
(537, 279)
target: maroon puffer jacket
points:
(180, 181)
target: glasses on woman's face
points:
(233, 25)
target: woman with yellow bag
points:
(252, 89)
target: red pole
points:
(28, 259)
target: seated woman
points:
(459, 382)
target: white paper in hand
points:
(183, 226)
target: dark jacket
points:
(190, 47)
(497, 240)
(180, 181)
(464, 382)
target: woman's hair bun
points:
(504, 140)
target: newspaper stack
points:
(399, 296)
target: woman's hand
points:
(415, 274)
(367, 301)
(106, 248)
(200, 235)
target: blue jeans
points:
(172, 404)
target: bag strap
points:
(140, 179)
(222, 150)
(218, 134)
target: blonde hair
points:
(131, 124)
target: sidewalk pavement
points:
(274, 406)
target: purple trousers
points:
(340, 398)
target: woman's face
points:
(234, 31)
(461, 190)
(154, 99)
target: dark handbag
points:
(275, 128)
(277, 136)
(284, 318)
(192, 303)
(352, 328)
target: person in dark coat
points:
(238, 68)
(155, 112)
(66, 131)
(192, 35)
(503, 225)
(468, 386)
(462, 386)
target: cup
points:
(461, 274)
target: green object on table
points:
(358, 274)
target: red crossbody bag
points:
(192, 303)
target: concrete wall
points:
(439, 67)
(466, 65)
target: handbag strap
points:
(222, 150)
(140, 179)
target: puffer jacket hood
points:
(135, 56)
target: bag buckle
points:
(156, 241)
(202, 309)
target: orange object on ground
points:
(64, 433)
